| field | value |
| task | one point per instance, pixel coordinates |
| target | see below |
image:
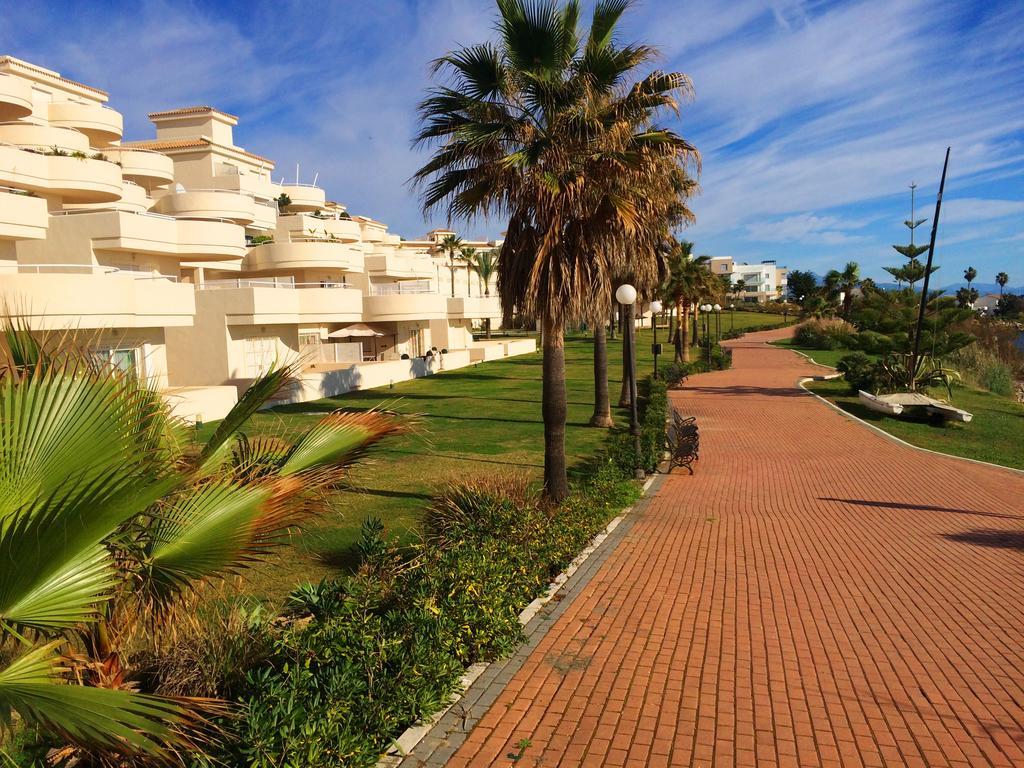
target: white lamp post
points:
(625, 294)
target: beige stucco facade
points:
(183, 257)
(764, 281)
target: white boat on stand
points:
(909, 403)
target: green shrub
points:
(860, 372)
(387, 646)
(825, 334)
(997, 378)
(873, 342)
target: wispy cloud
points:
(812, 117)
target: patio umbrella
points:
(356, 330)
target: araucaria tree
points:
(547, 127)
(913, 270)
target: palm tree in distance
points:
(467, 254)
(969, 275)
(842, 283)
(452, 244)
(485, 263)
(539, 127)
(688, 282)
(1002, 279)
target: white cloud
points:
(804, 228)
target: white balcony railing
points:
(267, 283)
(402, 287)
(85, 269)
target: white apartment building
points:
(182, 257)
(765, 281)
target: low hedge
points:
(376, 652)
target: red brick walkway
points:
(816, 595)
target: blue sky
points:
(812, 117)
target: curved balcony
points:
(143, 166)
(101, 124)
(44, 137)
(79, 180)
(474, 307)
(208, 204)
(143, 232)
(103, 299)
(249, 301)
(22, 217)
(304, 254)
(248, 183)
(211, 240)
(303, 224)
(372, 232)
(395, 304)
(399, 266)
(304, 197)
(75, 179)
(265, 216)
(15, 98)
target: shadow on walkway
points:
(920, 507)
(990, 537)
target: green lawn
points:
(475, 420)
(996, 433)
(827, 357)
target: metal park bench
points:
(683, 441)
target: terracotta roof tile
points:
(161, 145)
(49, 73)
(190, 111)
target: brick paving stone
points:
(815, 595)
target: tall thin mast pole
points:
(927, 273)
(913, 186)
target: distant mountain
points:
(981, 288)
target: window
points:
(125, 359)
(260, 354)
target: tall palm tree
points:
(1002, 279)
(969, 274)
(537, 127)
(689, 280)
(485, 263)
(110, 519)
(451, 244)
(842, 283)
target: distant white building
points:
(762, 282)
(987, 304)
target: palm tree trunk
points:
(602, 404)
(554, 409)
(684, 330)
(696, 328)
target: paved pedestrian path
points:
(816, 595)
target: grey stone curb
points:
(436, 740)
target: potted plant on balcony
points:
(283, 201)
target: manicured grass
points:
(827, 357)
(477, 420)
(995, 434)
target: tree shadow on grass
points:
(989, 537)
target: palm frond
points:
(262, 389)
(128, 723)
